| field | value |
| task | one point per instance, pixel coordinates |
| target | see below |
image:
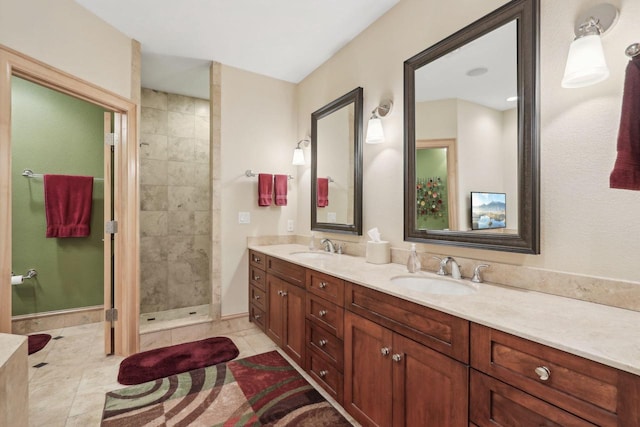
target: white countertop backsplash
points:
(605, 334)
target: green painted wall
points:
(56, 134)
(430, 163)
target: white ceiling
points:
(283, 39)
(447, 78)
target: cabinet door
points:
(496, 404)
(275, 309)
(294, 327)
(429, 388)
(367, 371)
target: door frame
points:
(126, 193)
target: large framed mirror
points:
(336, 165)
(471, 135)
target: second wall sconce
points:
(298, 153)
(375, 132)
(586, 64)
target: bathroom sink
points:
(432, 285)
(312, 255)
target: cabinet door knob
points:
(322, 343)
(322, 285)
(385, 351)
(284, 293)
(256, 277)
(256, 296)
(256, 259)
(396, 357)
(257, 317)
(543, 373)
(280, 293)
(323, 373)
(322, 313)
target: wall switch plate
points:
(290, 225)
(244, 218)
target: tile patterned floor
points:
(70, 389)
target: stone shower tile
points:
(202, 107)
(181, 148)
(153, 223)
(154, 121)
(180, 124)
(153, 249)
(181, 223)
(181, 103)
(154, 99)
(153, 172)
(154, 198)
(202, 127)
(182, 174)
(153, 146)
(202, 150)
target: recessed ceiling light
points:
(474, 72)
(512, 98)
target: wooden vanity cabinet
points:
(519, 382)
(325, 331)
(393, 380)
(257, 289)
(285, 308)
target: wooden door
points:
(294, 327)
(496, 404)
(367, 371)
(429, 388)
(275, 308)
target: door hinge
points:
(111, 315)
(111, 227)
(110, 139)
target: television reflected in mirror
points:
(488, 210)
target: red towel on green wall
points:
(67, 204)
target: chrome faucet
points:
(328, 245)
(455, 268)
(477, 278)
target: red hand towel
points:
(265, 189)
(626, 172)
(67, 204)
(323, 192)
(280, 183)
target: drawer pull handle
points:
(543, 373)
(280, 293)
(322, 343)
(284, 293)
(385, 351)
(256, 277)
(322, 285)
(396, 357)
(257, 317)
(256, 296)
(322, 313)
(323, 373)
(256, 259)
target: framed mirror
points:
(336, 165)
(471, 135)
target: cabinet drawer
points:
(324, 342)
(326, 314)
(257, 277)
(258, 260)
(600, 394)
(326, 375)
(258, 297)
(325, 286)
(257, 316)
(292, 273)
(440, 331)
(496, 404)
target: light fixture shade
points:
(585, 63)
(298, 157)
(375, 133)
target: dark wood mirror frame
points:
(527, 240)
(355, 97)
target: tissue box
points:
(378, 252)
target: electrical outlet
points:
(291, 225)
(244, 218)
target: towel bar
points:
(28, 173)
(250, 174)
(632, 50)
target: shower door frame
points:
(125, 197)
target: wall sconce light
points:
(375, 133)
(586, 64)
(298, 153)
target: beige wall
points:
(586, 227)
(258, 133)
(64, 35)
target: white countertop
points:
(605, 334)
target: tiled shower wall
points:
(175, 202)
